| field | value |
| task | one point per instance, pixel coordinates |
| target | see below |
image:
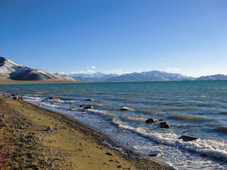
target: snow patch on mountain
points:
(15, 71)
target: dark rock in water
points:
(88, 107)
(126, 109)
(187, 138)
(156, 154)
(89, 100)
(164, 125)
(53, 98)
(20, 98)
(17, 98)
(161, 120)
(151, 120)
(71, 108)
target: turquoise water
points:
(197, 108)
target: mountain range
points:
(144, 76)
(15, 71)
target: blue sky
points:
(184, 36)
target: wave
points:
(32, 98)
(137, 119)
(205, 104)
(49, 103)
(108, 114)
(102, 112)
(179, 108)
(210, 148)
(222, 130)
(102, 105)
(55, 105)
(223, 113)
(188, 117)
(138, 101)
(148, 111)
(41, 99)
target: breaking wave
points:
(210, 148)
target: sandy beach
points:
(35, 138)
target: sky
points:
(116, 36)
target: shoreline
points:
(96, 138)
(9, 82)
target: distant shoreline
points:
(6, 82)
(10, 82)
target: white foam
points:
(137, 119)
(102, 112)
(32, 99)
(211, 148)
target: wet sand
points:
(35, 138)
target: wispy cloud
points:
(93, 67)
(87, 70)
(172, 69)
(83, 72)
(117, 71)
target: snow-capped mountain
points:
(150, 76)
(92, 77)
(214, 77)
(15, 71)
(144, 76)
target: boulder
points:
(53, 98)
(88, 107)
(18, 98)
(150, 120)
(164, 125)
(89, 100)
(126, 109)
(15, 98)
(187, 138)
(156, 154)
(14, 95)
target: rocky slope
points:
(15, 71)
(214, 77)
